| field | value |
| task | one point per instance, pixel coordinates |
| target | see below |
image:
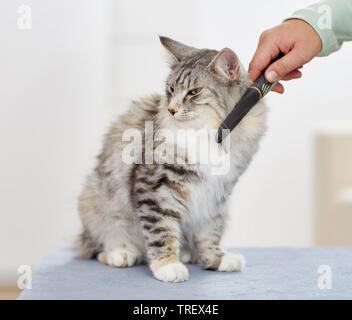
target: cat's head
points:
(203, 84)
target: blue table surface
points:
(270, 273)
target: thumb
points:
(277, 70)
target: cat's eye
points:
(193, 92)
(171, 89)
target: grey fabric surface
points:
(270, 273)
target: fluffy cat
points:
(168, 214)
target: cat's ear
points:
(177, 50)
(225, 66)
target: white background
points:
(63, 81)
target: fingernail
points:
(271, 76)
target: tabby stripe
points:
(149, 219)
(193, 81)
(178, 170)
(159, 230)
(172, 213)
(166, 212)
(158, 243)
(181, 202)
(185, 76)
(149, 202)
(153, 206)
(141, 190)
(179, 74)
(145, 181)
(163, 180)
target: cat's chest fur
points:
(208, 198)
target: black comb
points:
(256, 92)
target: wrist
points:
(310, 33)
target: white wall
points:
(53, 91)
(57, 85)
(138, 63)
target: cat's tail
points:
(86, 247)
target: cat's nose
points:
(172, 111)
(173, 108)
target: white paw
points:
(231, 262)
(172, 272)
(120, 258)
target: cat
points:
(171, 214)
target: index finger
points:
(261, 60)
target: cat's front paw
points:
(231, 262)
(172, 272)
(119, 258)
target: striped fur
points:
(169, 213)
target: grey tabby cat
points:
(168, 214)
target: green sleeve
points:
(331, 19)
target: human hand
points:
(299, 43)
